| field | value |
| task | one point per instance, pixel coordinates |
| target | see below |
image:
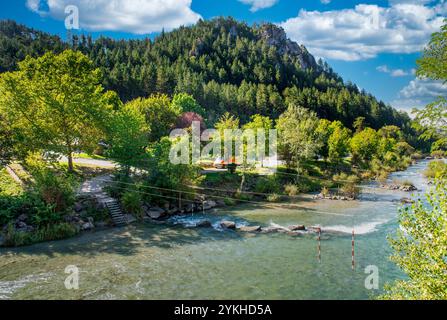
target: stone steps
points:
(118, 218)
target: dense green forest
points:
(226, 65)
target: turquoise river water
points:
(161, 262)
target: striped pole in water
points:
(319, 245)
(353, 249)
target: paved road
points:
(91, 162)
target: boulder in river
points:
(228, 225)
(250, 229)
(209, 204)
(204, 224)
(297, 228)
(154, 212)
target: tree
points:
(186, 103)
(298, 136)
(128, 138)
(338, 142)
(168, 176)
(433, 64)
(55, 103)
(421, 249)
(160, 114)
(364, 145)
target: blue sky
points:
(373, 43)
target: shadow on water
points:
(125, 241)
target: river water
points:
(160, 262)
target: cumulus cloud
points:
(367, 30)
(134, 16)
(259, 4)
(394, 72)
(419, 93)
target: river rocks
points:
(250, 229)
(332, 197)
(297, 228)
(209, 204)
(397, 187)
(78, 207)
(154, 212)
(87, 226)
(204, 224)
(228, 225)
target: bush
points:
(438, 154)
(131, 202)
(436, 169)
(325, 192)
(268, 184)
(291, 190)
(55, 190)
(274, 198)
(14, 238)
(229, 202)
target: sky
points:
(372, 43)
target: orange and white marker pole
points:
(353, 249)
(319, 245)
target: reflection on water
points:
(159, 262)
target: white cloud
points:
(419, 93)
(394, 72)
(259, 4)
(325, 1)
(367, 30)
(134, 16)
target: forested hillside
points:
(226, 65)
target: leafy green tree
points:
(433, 65)
(161, 115)
(421, 249)
(338, 142)
(298, 136)
(187, 103)
(364, 145)
(55, 103)
(127, 137)
(168, 176)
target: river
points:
(160, 262)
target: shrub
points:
(229, 202)
(268, 184)
(438, 154)
(55, 232)
(131, 202)
(325, 192)
(55, 190)
(274, 198)
(59, 231)
(436, 169)
(291, 190)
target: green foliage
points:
(268, 185)
(291, 190)
(187, 103)
(298, 136)
(420, 247)
(226, 65)
(159, 112)
(55, 103)
(8, 187)
(166, 175)
(433, 65)
(127, 137)
(55, 190)
(132, 202)
(436, 170)
(364, 145)
(59, 231)
(274, 198)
